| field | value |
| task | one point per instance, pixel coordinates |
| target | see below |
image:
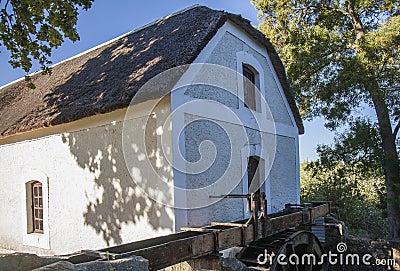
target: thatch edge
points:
(222, 17)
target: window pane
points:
(249, 88)
(249, 74)
(249, 96)
(36, 222)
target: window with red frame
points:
(37, 207)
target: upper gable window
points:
(249, 87)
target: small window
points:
(249, 82)
(37, 207)
(36, 231)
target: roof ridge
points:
(107, 42)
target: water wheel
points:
(286, 251)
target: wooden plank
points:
(227, 224)
(249, 234)
(197, 229)
(229, 238)
(150, 242)
(196, 242)
(173, 252)
(133, 246)
(319, 211)
(278, 224)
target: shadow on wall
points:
(106, 80)
(119, 200)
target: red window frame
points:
(37, 207)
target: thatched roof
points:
(106, 78)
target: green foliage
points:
(349, 173)
(358, 195)
(341, 56)
(360, 143)
(30, 29)
(334, 51)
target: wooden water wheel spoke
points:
(303, 244)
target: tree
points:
(356, 194)
(30, 29)
(341, 55)
(350, 174)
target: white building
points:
(79, 169)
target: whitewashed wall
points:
(228, 48)
(92, 201)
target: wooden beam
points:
(281, 223)
(173, 252)
(319, 211)
(167, 250)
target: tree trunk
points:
(391, 161)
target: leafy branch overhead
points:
(341, 56)
(30, 29)
(360, 144)
(339, 47)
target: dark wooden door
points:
(253, 174)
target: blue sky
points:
(109, 19)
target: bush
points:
(357, 194)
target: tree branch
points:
(396, 129)
(325, 7)
(5, 7)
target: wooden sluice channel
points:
(192, 243)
